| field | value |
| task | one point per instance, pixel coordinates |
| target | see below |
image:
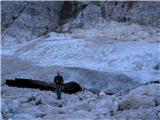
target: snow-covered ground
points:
(22, 103)
(111, 57)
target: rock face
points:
(88, 16)
(91, 14)
(139, 12)
(22, 21)
(144, 13)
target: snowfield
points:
(113, 62)
(109, 46)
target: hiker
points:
(58, 80)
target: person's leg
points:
(59, 92)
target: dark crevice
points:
(156, 67)
(13, 17)
(116, 3)
(153, 82)
(129, 5)
(156, 103)
(69, 11)
(103, 11)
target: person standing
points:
(58, 80)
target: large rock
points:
(87, 17)
(24, 116)
(72, 87)
(134, 102)
(91, 14)
(104, 106)
(139, 114)
(9, 107)
(143, 97)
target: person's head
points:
(58, 73)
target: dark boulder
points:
(70, 87)
(29, 83)
(153, 82)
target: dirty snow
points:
(111, 49)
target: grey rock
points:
(146, 13)
(90, 14)
(29, 20)
(10, 12)
(144, 114)
(85, 18)
(135, 102)
(24, 21)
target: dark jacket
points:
(58, 80)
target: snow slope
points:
(119, 53)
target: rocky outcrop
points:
(87, 17)
(146, 13)
(142, 97)
(22, 21)
(143, 13)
